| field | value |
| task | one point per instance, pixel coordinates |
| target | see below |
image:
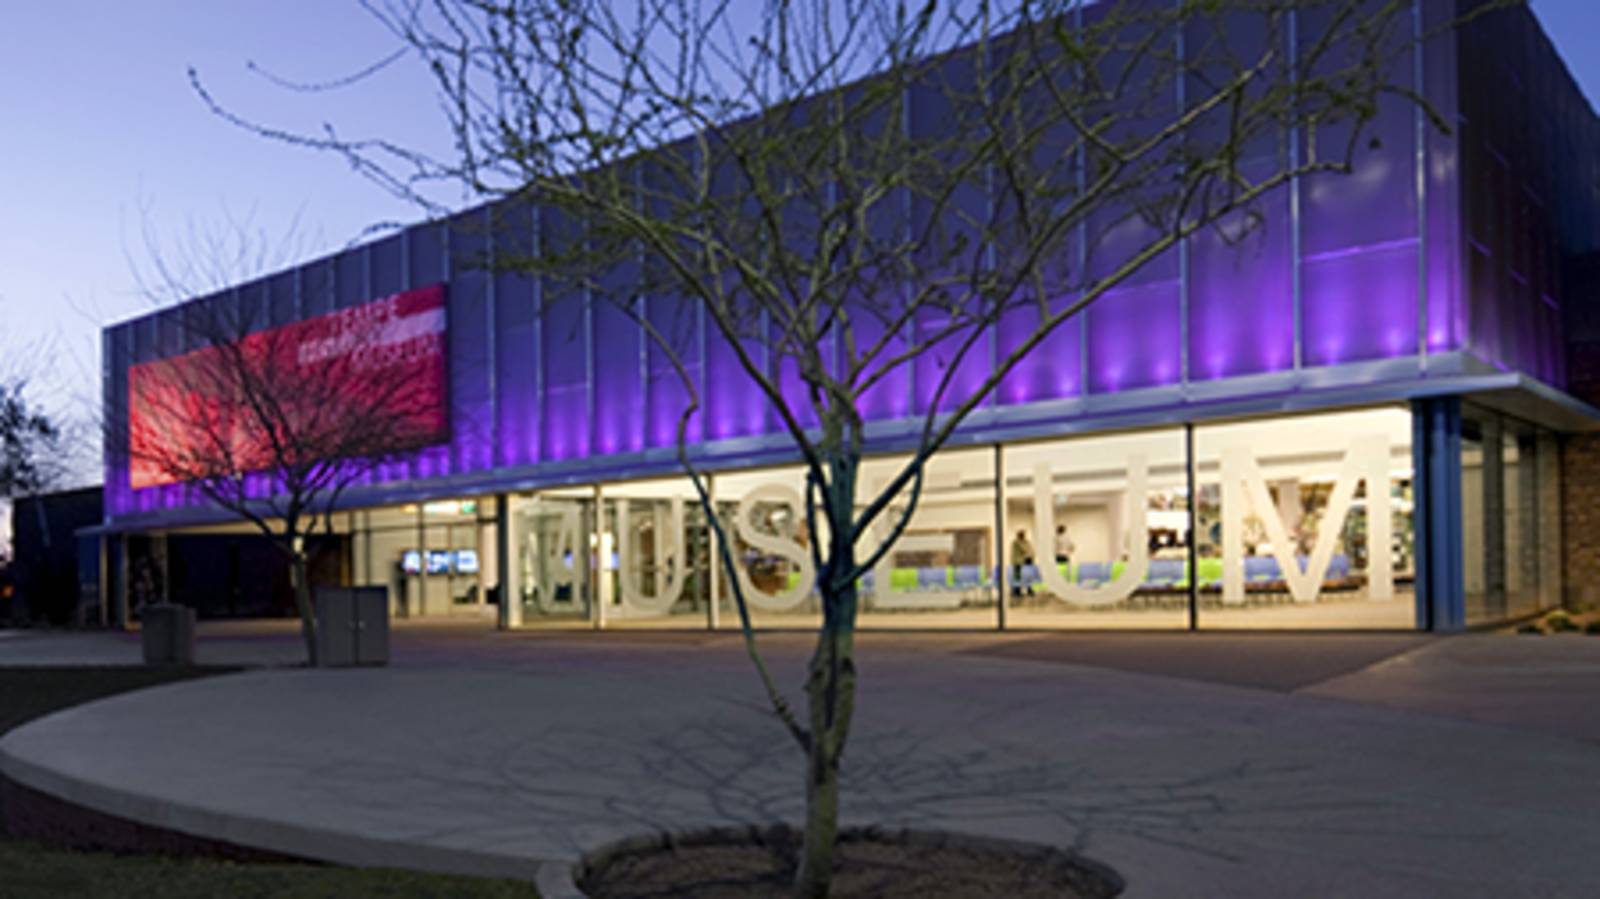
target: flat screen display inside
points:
(438, 561)
(411, 562)
(466, 561)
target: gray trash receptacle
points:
(352, 626)
(167, 631)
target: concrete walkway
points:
(506, 754)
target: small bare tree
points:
(28, 443)
(273, 424)
(848, 188)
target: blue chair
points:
(968, 577)
(1339, 567)
(1093, 574)
(933, 578)
(1261, 570)
(1164, 573)
(867, 583)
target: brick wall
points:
(1580, 517)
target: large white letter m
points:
(1366, 458)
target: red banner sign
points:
(359, 382)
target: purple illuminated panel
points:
(1241, 297)
(618, 369)
(735, 407)
(565, 425)
(666, 394)
(516, 350)
(954, 368)
(564, 336)
(889, 398)
(1360, 305)
(1134, 336)
(1053, 370)
(471, 426)
(516, 373)
(796, 395)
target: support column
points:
(1002, 575)
(599, 584)
(1437, 510)
(1494, 517)
(102, 545)
(158, 548)
(714, 566)
(510, 601)
(1190, 463)
(122, 581)
(417, 599)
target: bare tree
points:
(273, 424)
(28, 443)
(776, 167)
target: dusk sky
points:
(104, 138)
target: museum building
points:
(1374, 413)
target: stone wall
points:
(1580, 518)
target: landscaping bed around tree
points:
(755, 863)
(32, 871)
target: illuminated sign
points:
(361, 381)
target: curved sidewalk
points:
(517, 765)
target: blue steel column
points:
(1437, 509)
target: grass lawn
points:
(28, 871)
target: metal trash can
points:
(167, 630)
(352, 626)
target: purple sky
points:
(102, 137)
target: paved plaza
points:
(1197, 765)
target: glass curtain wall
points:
(658, 570)
(1510, 486)
(429, 556)
(941, 572)
(1294, 522)
(1307, 522)
(1097, 532)
(764, 517)
(553, 555)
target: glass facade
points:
(1098, 532)
(436, 559)
(1511, 517)
(1289, 522)
(1307, 521)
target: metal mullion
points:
(1082, 229)
(535, 227)
(1183, 245)
(907, 292)
(1189, 467)
(642, 311)
(1296, 275)
(1001, 581)
(1420, 127)
(492, 339)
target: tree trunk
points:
(815, 876)
(830, 692)
(299, 578)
